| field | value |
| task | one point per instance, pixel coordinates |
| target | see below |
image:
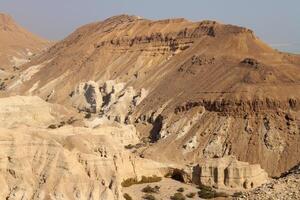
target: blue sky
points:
(275, 21)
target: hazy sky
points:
(275, 21)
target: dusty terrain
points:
(193, 103)
(167, 188)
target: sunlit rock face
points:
(111, 100)
(227, 172)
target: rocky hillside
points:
(17, 45)
(286, 187)
(145, 53)
(212, 89)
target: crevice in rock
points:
(155, 131)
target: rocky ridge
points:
(185, 71)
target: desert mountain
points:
(200, 102)
(230, 89)
(145, 53)
(17, 45)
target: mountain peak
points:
(123, 18)
(5, 17)
(7, 22)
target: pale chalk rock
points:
(229, 173)
(30, 111)
(87, 97)
(111, 100)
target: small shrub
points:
(237, 194)
(129, 182)
(190, 195)
(149, 197)
(177, 196)
(180, 189)
(206, 194)
(132, 181)
(150, 179)
(88, 115)
(61, 124)
(129, 146)
(204, 187)
(71, 120)
(52, 126)
(149, 189)
(127, 196)
(209, 193)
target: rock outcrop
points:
(110, 99)
(229, 173)
(87, 97)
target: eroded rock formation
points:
(111, 100)
(228, 172)
(68, 162)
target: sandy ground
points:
(167, 188)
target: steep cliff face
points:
(212, 89)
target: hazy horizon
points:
(274, 21)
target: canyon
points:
(129, 102)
